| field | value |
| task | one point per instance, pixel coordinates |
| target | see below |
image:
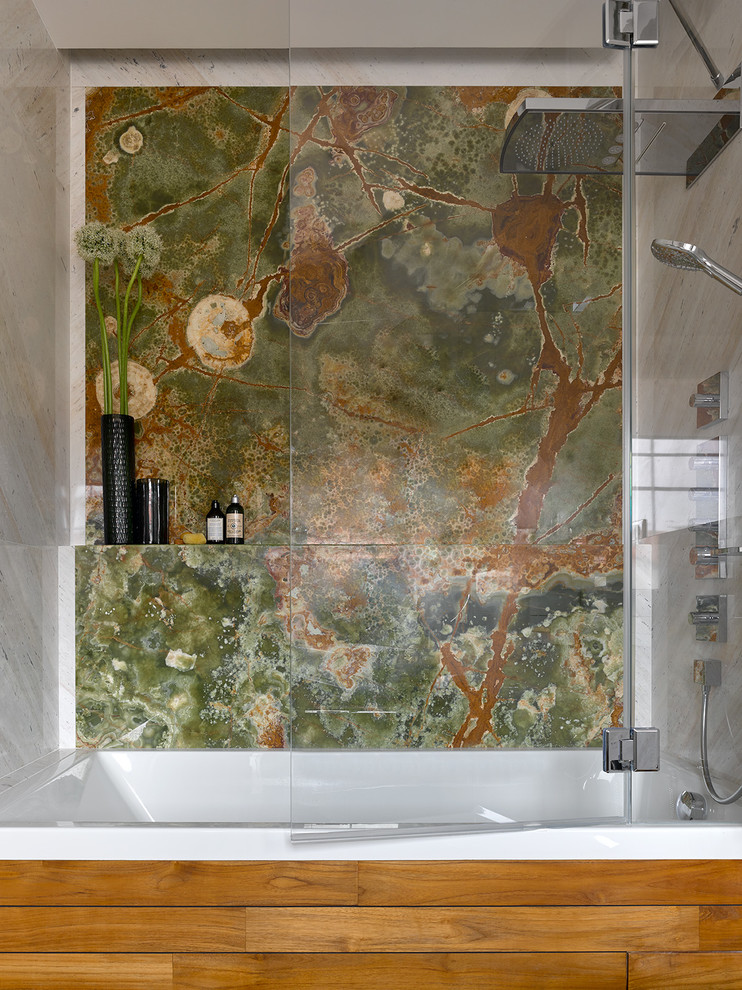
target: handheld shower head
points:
(688, 257)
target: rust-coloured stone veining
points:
(526, 228)
(359, 319)
(317, 281)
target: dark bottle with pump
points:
(235, 522)
(215, 524)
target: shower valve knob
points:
(703, 618)
(704, 400)
(709, 555)
(711, 612)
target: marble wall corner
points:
(33, 381)
(29, 727)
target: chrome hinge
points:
(631, 23)
(630, 749)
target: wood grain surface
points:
(683, 971)
(177, 883)
(121, 929)
(85, 972)
(433, 971)
(522, 882)
(720, 927)
(488, 929)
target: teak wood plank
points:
(477, 929)
(434, 971)
(685, 971)
(557, 882)
(177, 883)
(720, 927)
(85, 972)
(121, 929)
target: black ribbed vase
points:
(117, 462)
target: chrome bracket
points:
(631, 23)
(630, 749)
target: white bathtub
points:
(236, 805)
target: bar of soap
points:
(194, 538)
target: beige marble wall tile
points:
(31, 75)
(457, 67)
(688, 329)
(33, 382)
(29, 726)
(121, 67)
(675, 70)
(66, 646)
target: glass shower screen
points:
(454, 585)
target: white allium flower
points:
(144, 242)
(96, 240)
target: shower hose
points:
(704, 755)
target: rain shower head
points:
(688, 257)
(580, 136)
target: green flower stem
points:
(124, 337)
(118, 308)
(136, 308)
(105, 356)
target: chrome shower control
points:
(691, 807)
(703, 555)
(703, 618)
(710, 618)
(707, 672)
(700, 400)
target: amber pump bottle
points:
(235, 522)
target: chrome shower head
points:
(688, 257)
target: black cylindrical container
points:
(151, 505)
(117, 465)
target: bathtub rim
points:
(681, 841)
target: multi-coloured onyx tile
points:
(455, 332)
(456, 345)
(444, 342)
(209, 373)
(391, 647)
(452, 647)
(179, 648)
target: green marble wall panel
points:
(211, 375)
(463, 381)
(178, 648)
(449, 647)
(440, 347)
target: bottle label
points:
(234, 526)
(214, 530)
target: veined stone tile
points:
(446, 341)
(178, 648)
(453, 646)
(212, 403)
(457, 372)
